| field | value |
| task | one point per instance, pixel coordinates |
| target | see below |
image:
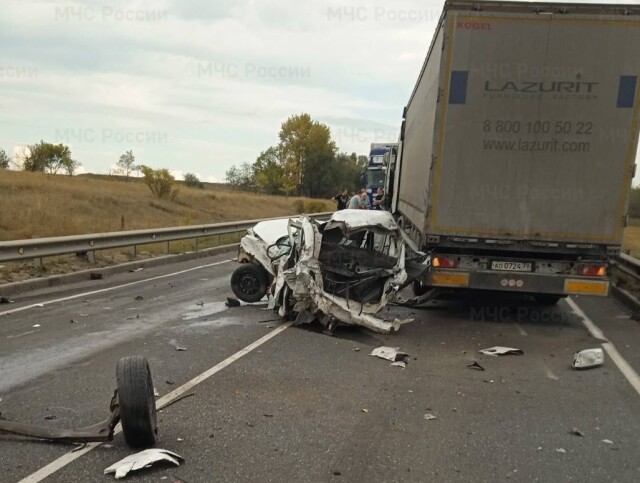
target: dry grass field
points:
(35, 205)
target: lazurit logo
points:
(474, 25)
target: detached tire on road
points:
(249, 282)
(137, 402)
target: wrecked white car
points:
(345, 270)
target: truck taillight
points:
(444, 262)
(592, 270)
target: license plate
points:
(511, 266)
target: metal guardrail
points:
(627, 264)
(17, 250)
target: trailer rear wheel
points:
(137, 402)
(547, 300)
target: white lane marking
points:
(109, 289)
(20, 335)
(67, 458)
(522, 332)
(616, 357)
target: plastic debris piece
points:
(587, 358)
(561, 450)
(35, 326)
(430, 417)
(38, 305)
(501, 351)
(139, 269)
(356, 349)
(73, 321)
(607, 441)
(364, 410)
(178, 348)
(180, 440)
(155, 392)
(576, 432)
(475, 366)
(143, 459)
(392, 354)
(399, 364)
(231, 302)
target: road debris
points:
(399, 364)
(576, 432)
(607, 441)
(588, 358)
(50, 417)
(356, 349)
(474, 365)
(231, 302)
(143, 459)
(429, 417)
(5, 300)
(38, 305)
(139, 269)
(73, 321)
(96, 276)
(364, 410)
(180, 349)
(561, 450)
(139, 297)
(501, 351)
(392, 354)
(35, 326)
(155, 392)
(180, 440)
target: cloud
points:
(199, 86)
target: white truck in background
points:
(518, 147)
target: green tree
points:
(126, 165)
(4, 159)
(50, 158)
(232, 176)
(307, 151)
(192, 180)
(160, 182)
(268, 171)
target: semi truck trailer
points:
(518, 147)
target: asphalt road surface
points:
(282, 403)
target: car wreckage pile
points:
(344, 270)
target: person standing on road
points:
(354, 202)
(341, 200)
(378, 200)
(365, 202)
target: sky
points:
(199, 86)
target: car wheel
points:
(249, 282)
(137, 402)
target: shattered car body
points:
(346, 269)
